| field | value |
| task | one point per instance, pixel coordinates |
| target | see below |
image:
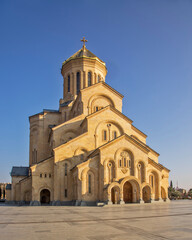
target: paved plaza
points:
(148, 221)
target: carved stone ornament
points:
(124, 154)
(124, 170)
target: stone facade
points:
(88, 151)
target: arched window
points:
(120, 164)
(34, 156)
(111, 170)
(151, 181)
(89, 79)
(78, 82)
(99, 78)
(65, 169)
(114, 134)
(89, 183)
(65, 193)
(125, 160)
(104, 135)
(68, 85)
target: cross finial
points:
(84, 41)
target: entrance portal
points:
(128, 192)
(45, 196)
(146, 194)
(115, 198)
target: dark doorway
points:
(127, 193)
(45, 196)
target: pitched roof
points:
(142, 146)
(45, 111)
(83, 52)
(20, 171)
(65, 103)
(158, 165)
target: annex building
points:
(88, 151)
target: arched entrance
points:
(45, 196)
(146, 194)
(128, 192)
(115, 195)
(163, 194)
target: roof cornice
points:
(105, 85)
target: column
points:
(81, 80)
(109, 199)
(121, 196)
(74, 84)
(141, 196)
(86, 79)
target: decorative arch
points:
(154, 181)
(130, 189)
(113, 184)
(45, 187)
(45, 196)
(81, 152)
(92, 101)
(68, 135)
(109, 170)
(163, 193)
(102, 126)
(146, 192)
(141, 170)
(85, 182)
(130, 166)
(89, 78)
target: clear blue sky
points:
(147, 46)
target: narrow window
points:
(68, 85)
(65, 116)
(89, 79)
(65, 169)
(49, 175)
(45, 175)
(120, 163)
(104, 135)
(125, 162)
(35, 156)
(40, 175)
(89, 180)
(65, 193)
(96, 109)
(78, 82)
(152, 181)
(114, 134)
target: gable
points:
(97, 122)
(100, 95)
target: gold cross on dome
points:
(84, 41)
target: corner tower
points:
(81, 70)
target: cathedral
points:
(87, 152)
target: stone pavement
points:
(147, 221)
